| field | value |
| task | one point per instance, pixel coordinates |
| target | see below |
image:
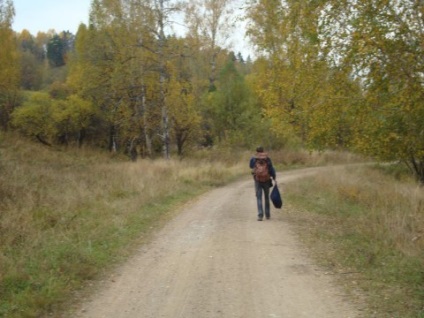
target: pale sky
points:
(43, 15)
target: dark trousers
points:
(262, 190)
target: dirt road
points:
(216, 260)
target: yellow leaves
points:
(74, 110)
(182, 110)
(9, 61)
(47, 118)
(181, 105)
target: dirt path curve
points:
(216, 260)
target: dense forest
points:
(327, 74)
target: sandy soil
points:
(216, 260)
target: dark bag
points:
(276, 198)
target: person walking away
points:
(263, 171)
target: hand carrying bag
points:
(276, 198)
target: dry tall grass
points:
(394, 210)
(64, 215)
(373, 225)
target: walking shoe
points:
(260, 219)
(268, 217)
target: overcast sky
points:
(43, 15)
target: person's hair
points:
(260, 149)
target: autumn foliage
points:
(326, 74)
(344, 74)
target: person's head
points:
(260, 149)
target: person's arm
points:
(252, 163)
(272, 170)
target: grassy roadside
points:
(67, 216)
(367, 229)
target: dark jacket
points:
(270, 166)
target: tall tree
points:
(103, 54)
(184, 113)
(233, 110)
(382, 42)
(210, 21)
(120, 64)
(289, 71)
(9, 61)
(59, 47)
(32, 60)
(161, 14)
